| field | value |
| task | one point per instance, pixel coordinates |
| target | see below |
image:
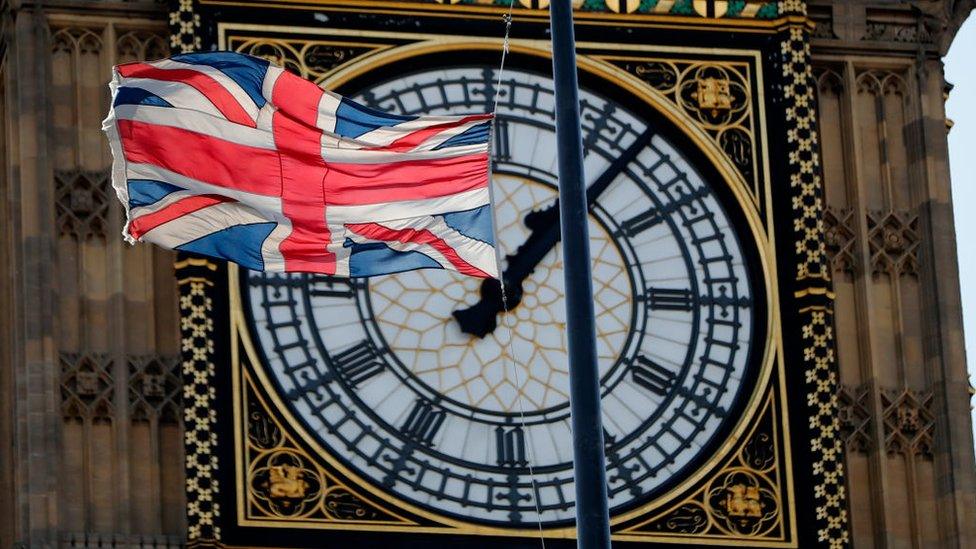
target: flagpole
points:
(592, 515)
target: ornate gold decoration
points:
(200, 418)
(715, 95)
(311, 59)
(792, 7)
(623, 6)
(813, 268)
(744, 503)
(825, 443)
(284, 483)
(744, 9)
(711, 8)
(741, 502)
(183, 25)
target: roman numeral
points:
(668, 299)
(642, 222)
(423, 423)
(503, 150)
(327, 286)
(358, 363)
(654, 216)
(510, 444)
(652, 376)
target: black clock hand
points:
(480, 319)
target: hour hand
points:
(480, 319)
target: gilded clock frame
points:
(744, 192)
(810, 304)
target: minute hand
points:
(480, 319)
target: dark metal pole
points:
(592, 515)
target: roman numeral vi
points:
(511, 447)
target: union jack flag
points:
(227, 155)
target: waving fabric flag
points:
(229, 156)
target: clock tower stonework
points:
(777, 292)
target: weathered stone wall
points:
(904, 388)
(91, 392)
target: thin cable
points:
(498, 265)
(505, 47)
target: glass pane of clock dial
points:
(478, 428)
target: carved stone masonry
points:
(894, 26)
(141, 45)
(86, 386)
(155, 388)
(854, 412)
(82, 200)
(893, 239)
(840, 237)
(909, 422)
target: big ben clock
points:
(427, 409)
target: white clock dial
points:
(423, 388)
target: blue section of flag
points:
(471, 136)
(236, 223)
(377, 258)
(240, 244)
(143, 192)
(138, 96)
(474, 224)
(247, 71)
(354, 120)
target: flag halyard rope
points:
(529, 453)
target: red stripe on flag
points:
(374, 231)
(145, 223)
(216, 93)
(413, 140)
(356, 184)
(298, 98)
(303, 171)
(202, 157)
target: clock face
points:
(430, 396)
